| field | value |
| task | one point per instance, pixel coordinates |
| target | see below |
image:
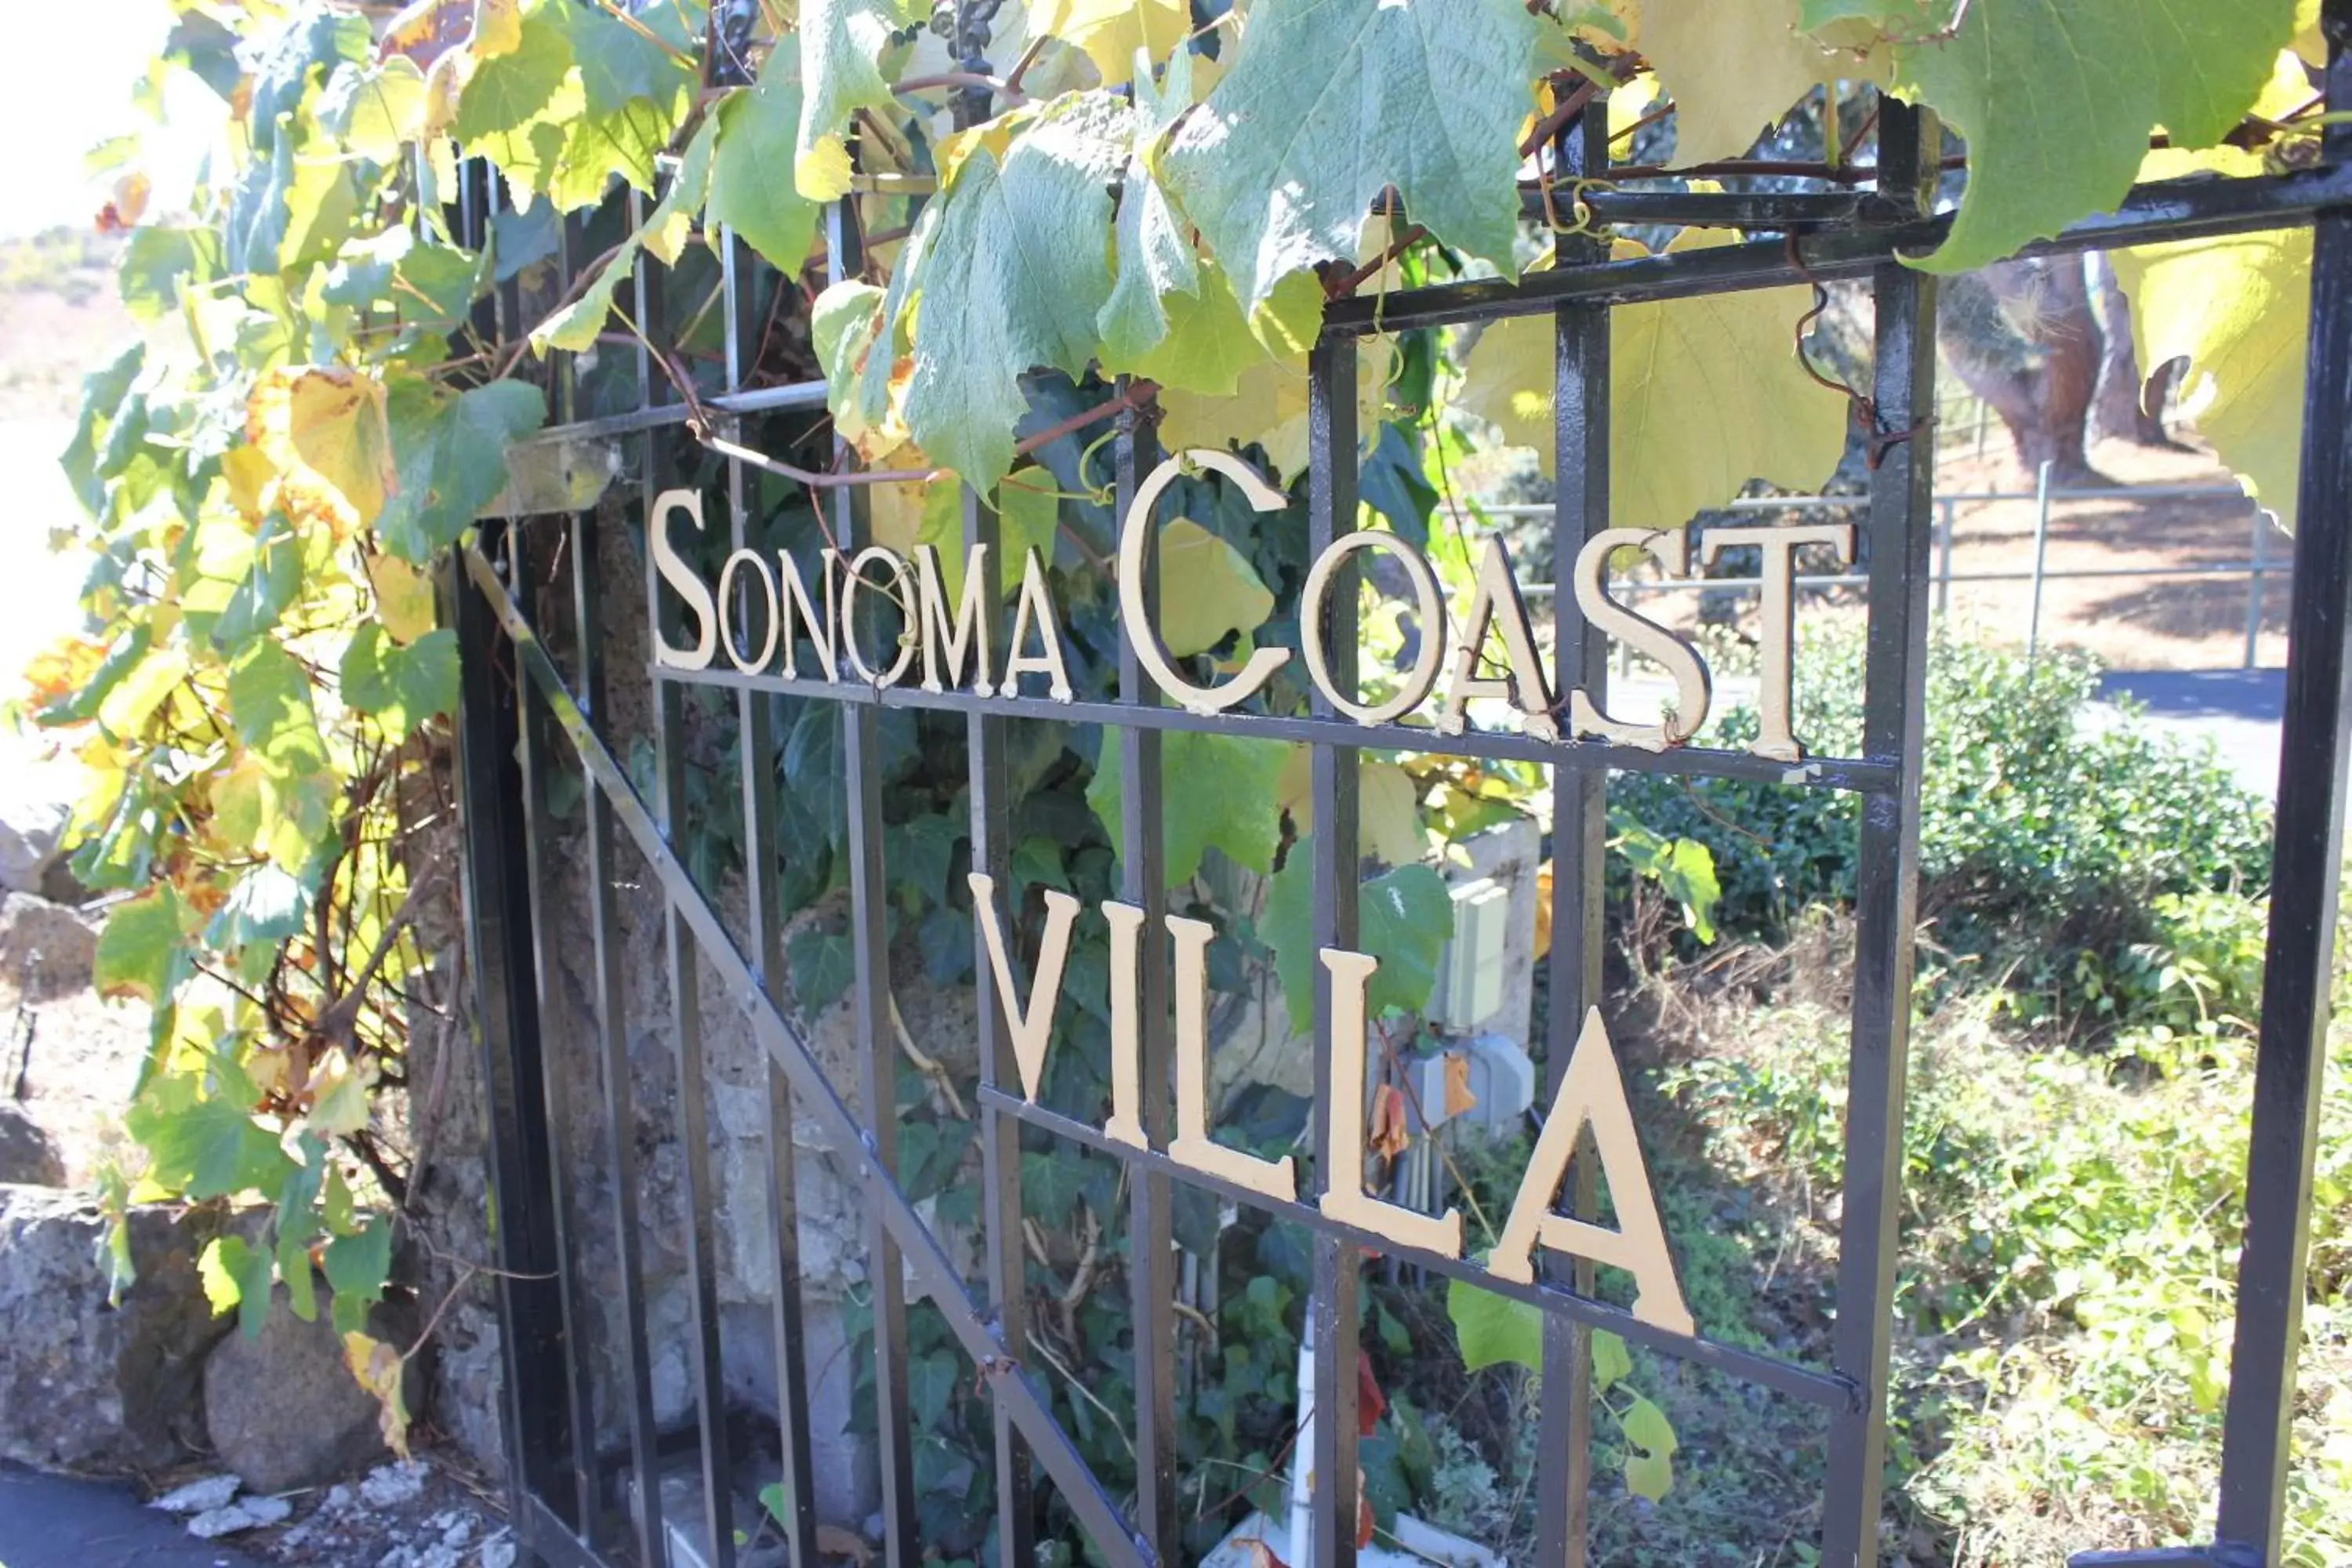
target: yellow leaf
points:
(247, 474)
(404, 597)
(1731, 70)
(1111, 31)
(2239, 307)
(324, 431)
(1388, 807)
(1207, 588)
(379, 1369)
(1543, 910)
(822, 173)
(1725, 366)
(1268, 406)
(498, 28)
(339, 1093)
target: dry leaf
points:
(1543, 909)
(1459, 1096)
(378, 1368)
(325, 432)
(1391, 1135)
(832, 1540)
(1261, 1555)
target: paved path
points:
(54, 1521)
(2237, 709)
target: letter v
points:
(1031, 1027)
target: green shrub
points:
(2039, 836)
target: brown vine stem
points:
(1028, 58)
(1347, 284)
(1006, 90)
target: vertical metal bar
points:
(497, 937)
(2261, 549)
(685, 985)
(1579, 840)
(1900, 523)
(991, 854)
(2041, 554)
(1331, 512)
(1945, 525)
(1144, 883)
(612, 1033)
(532, 752)
(761, 766)
(2290, 1051)
(876, 1054)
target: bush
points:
(2039, 835)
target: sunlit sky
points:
(66, 72)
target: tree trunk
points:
(2031, 348)
(2124, 404)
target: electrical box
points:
(1469, 988)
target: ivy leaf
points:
(1011, 281)
(1492, 1329)
(842, 46)
(1330, 103)
(1051, 1186)
(2055, 98)
(1111, 31)
(1405, 916)
(930, 1384)
(756, 131)
(1238, 817)
(1725, 364)
(822, 967)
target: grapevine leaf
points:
(671, 223)
(1155, 251)
(404, 597)
(842, 46)
(1611, 1361)
(381, 1370)
(159, 260)
(1332, 102)
(269, 698)
(403, 687)
(267, 905)
(358, 1267)
(1029, 518)
(1011, 281)
(141, 953)
(508, 92)
(1725, 364)
(1238, 816)
(236, 1273)
(930, 1384)
(206, 1146)
(324, 430)
(1387, 810)
(1208, 590)
(1492, 1330)
(453, 458)
(1649, 1446)
(1194, 341)
(573, 328)
(1111, 31)
(618, 62)
(1406, 916)
(2055, 98)
(755, 140)
(375, 111)
(1732, 71)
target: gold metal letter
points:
(791, 593)
(728, 635)
(1346, 1201)
(1134, 534)
(902, 591)
(680, 576)
(1591, 1091)
(1037, 606)
(1126, 1123)
(1670, 548)
(1432, 608)
(1030, 1028)
(1193, 1146)
(1775, 738)
(1497, 599)
(971, 618)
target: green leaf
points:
(756, 132)
(358, 1267)
(159, 259)
(1650, 1448)
(1239, 816)
(1013, 275)
(2055, 98)
(267, 905)
(375, 111)
(1051, 1185)
(1030, 519)
(1611, 1359)
(930, 1385)
(269, 586)
(1493, 1328)
(1405, 918)
(452, 454)
(508, 91)
(822, 967)
(206, 1146)
(235, 1273)
(403, 687)
(1155, 251)
(1208, 590)
(142, 951)
(842, 43)
(269, 702)
(573, 328)
(618, 63)
(1331, 101)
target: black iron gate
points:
(518, 703)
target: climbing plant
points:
(1061, 213)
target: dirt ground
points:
(2129, 623)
